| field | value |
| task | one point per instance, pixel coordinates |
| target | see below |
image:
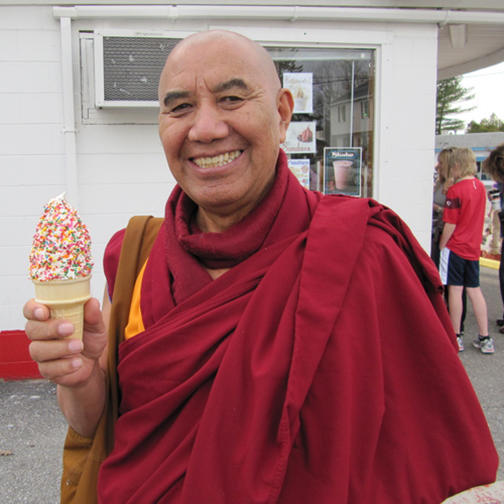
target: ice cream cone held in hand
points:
(60, 263)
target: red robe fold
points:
(321, 369)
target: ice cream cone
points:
(65, 299)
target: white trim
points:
(98, 71)
(69, 132)
(415, 4)
(470, 66)
(287, 13)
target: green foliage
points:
(493, 123)
(450, 93)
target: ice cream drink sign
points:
(342, 170)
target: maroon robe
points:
(321, 368)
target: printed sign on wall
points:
(301, 86)
(342, 170)
(301, 169)
(300, 138)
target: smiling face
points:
(222, 119)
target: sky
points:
(488, 84)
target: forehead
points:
(212, 61)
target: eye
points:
(180, 108)
(231, 100)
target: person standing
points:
(441, 185)
(460, 245)
(494, 166)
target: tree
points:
(493, 123)
(450, 92)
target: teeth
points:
(217, 161)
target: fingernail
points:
(75, 345)
(65, 329)
(39, 313)
(76, 363)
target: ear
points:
(285, 106)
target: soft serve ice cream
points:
(61, 262)
(61, 247)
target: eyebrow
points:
(172, 96)
(231, 83)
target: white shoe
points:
(460, 343)
(484, 345)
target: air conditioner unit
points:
(128, 66)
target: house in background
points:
(78, 113)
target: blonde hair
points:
(494, 163)
(462, 163)
(443, 158)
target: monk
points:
(274, 345)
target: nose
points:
(208, 124)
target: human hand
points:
(65, 361)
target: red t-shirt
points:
(465, 207)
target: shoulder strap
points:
(82, 457)
(137, 243)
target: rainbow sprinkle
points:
(61, 248)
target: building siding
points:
(120, 162)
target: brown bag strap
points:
(82, 457)
(137, 243)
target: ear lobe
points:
(285, 106)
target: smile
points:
(216, 161)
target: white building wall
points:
(121, 167)
(405, 133)
(31, 142)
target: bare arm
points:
(448, 230)
(78, 368)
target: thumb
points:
(93, 316)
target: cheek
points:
(171, 135)
(163, 134)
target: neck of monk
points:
(213, 223)
(216, 273)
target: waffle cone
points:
(65, 299)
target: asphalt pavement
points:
(32, 429)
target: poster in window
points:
(301, 169)
(300, 138)
(342, 170)
(300, 84)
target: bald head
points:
(230, 45)
(223, 116)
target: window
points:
(333, 90)
(364, 109)
(334, 96)
(342, 112)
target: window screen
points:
(132, 66)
